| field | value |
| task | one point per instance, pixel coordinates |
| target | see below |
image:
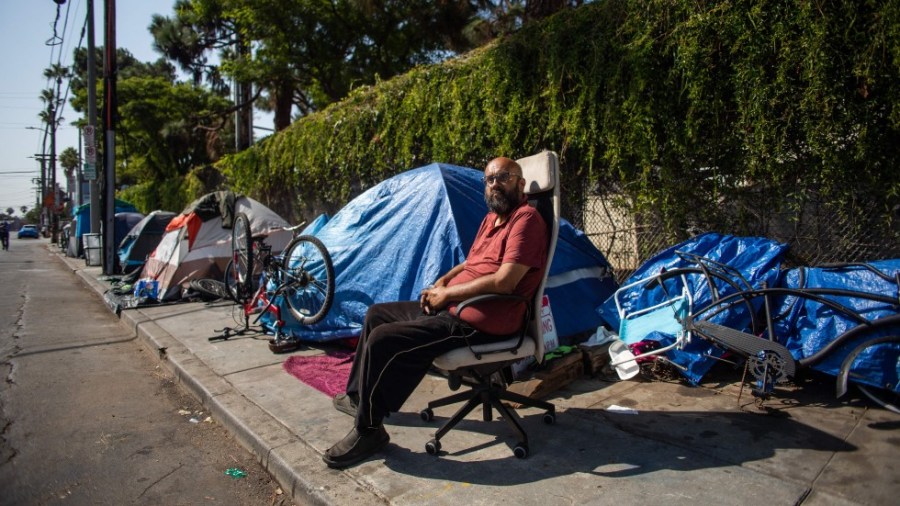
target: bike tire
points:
(242, 254)
(211, 289)
(310, 285)
(230, 281)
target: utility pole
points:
(109, 73)
(42, 206)
(90, 151)
(79, 195)
(54, 194)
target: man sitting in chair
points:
(400, 340)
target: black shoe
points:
(357, 445)
(345, 403)
(285, 345)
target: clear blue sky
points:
(25, 28)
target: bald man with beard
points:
(400, 340)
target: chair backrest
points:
(541, 174)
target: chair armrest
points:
(492, 297)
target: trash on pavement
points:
(622, 410)
(235, 473)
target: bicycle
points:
(302, 276)
(765, 358)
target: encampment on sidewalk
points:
(197, 242)
(621, 442)
(405, 232)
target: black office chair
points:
(483, 363)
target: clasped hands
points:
(433, 298)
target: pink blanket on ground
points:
(326, 373)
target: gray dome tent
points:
(142, 239)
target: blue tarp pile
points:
(401, 235)
(82, 215)
(806, 326)
(756, 259)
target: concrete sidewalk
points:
(685, 445)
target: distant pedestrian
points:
(4, 235)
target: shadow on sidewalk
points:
(601, 443)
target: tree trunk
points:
(284, 93)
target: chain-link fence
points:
(818, 231)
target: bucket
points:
(92, 249)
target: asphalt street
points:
(89, 415)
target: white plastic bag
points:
(602, 336)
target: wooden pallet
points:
(595, 359)
(557, 374)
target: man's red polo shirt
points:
(522, 239)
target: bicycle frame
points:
(266, 298)
(254, 260)
(770, 361)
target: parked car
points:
(28, 231)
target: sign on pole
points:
(90, 154)
(89, 173)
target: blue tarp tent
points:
(82, 215)
(401, 235)
(806, 326)
(757, 259)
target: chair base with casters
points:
(490, 395)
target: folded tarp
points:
(805, 326)
(755, 259)
(402, 234)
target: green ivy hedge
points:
(678, 106)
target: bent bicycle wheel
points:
(242, 254)
(209, 289)
(309, 279)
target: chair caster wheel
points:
(427, 414)
(549, 418)
(521, 450)
(433, 447)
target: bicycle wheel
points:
(210, 289)
(308, 279)
(242, 254)
(230, 281)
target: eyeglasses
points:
(501, 178)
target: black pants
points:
(395, 351)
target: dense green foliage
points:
(167, 132)
(302, 55)
(679, 106)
